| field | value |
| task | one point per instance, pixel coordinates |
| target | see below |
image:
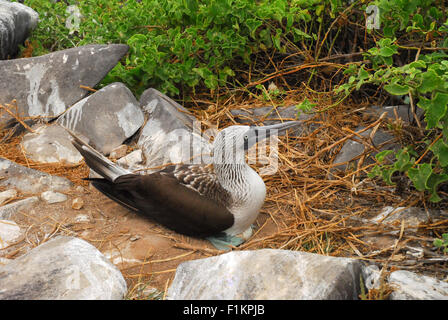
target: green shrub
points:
(423, 78)
(183, 43)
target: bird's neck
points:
(234, 176)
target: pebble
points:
(53, 197)
(77, 203)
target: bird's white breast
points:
(248, 202)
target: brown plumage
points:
(185, 198)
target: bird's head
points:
(231, 143)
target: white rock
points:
(107, 117)
(9, 210)
(411, 286)
(132, 159)
(372, 276)
(7, 195)
(82, 218)
(53, 197)
(267, 274)
(64, 268)
(9, 233)
(29, 180)
(50, 144)
(412, 216)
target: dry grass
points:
(306, 207)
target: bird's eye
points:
(246, 137)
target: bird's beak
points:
(279, 128)
(257, 134)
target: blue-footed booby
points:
(219, 201)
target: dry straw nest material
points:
(307, 208)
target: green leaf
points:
(380, 156)
(387, 51)
(438, 243)
(420, 176)
(435, 108)
(430, 82)
(397, 89)
(440, 149)
(432, 184)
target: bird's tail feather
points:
(96, 161)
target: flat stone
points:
(106, 118)
(171, 134)
(64, 268)
(28, 180)
(7, 195)
(352, 149)
(50, 144)
(9, 233)
(49, 84)
(16, 23)
(403, 112)
(411, 286)
(53, 197)
(267, 274)
(9, 210)
(131, 160)
(412, 216)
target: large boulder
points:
(411, 286)
(16, 23)
(50, 144)
(64, 268)
(106, 118)
(47, 85)
(171, 134)
(267, 274)
(28, 180)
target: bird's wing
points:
(182, 198)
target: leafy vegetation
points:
(421, 28)
(442, 243)
(179, 44)
(183, 45)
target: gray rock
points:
(372, 276)
(403, 112)
(352, 149)
(16, 23)
(412, 216)
(62, 268)
(411, 286)
(106, 118)
(267, 274)
(50, 144)
(9, 233)
(171, 134)
(53, 197)
(49, 84)
(132, 160)
(268, 115)
(29, 180)
(9, 210)
(7, 195)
